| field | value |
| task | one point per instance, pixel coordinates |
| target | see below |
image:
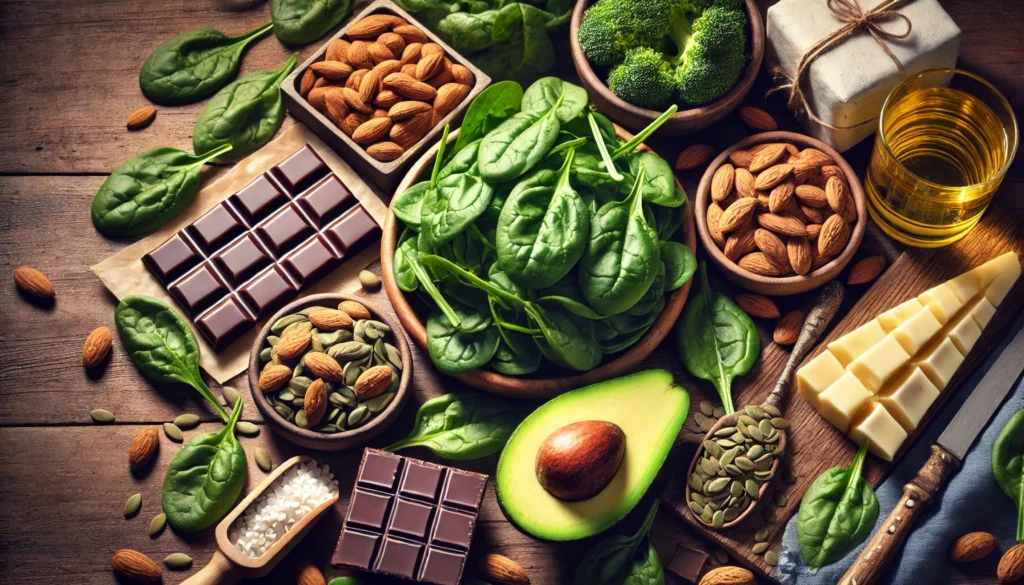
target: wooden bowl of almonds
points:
(780, 213)
(330, 372)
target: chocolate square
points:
(368, 509)
(241, 260)
(225, 322)
(268, 291)
(356, 549)
(420, 481)
(453, 529)
(326, 200)
(284, 230)
(379, 470)
(353, 231)
(687, 563)
(398, 557)
(464, 490)
(258, 199)
(311, 261)
(216, 228)
(442, 567)
(172, 258)
(411, 519)
(198, 290)
(300, 170)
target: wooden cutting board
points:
(814, 444)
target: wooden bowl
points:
(685, 121)
(522, 387)
(346, 439)
(783, 285)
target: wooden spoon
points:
(817, 321)
(230, 565)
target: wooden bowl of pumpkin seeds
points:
(330, 372)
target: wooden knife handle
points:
(917, 495)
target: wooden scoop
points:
(817, 321)
(230, 565)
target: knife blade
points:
(947, 453)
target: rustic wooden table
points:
(68, 81)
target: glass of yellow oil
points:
(946, 138)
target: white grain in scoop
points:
(281, 506)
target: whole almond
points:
(97, 347)
(813, 229)
(798, 250)
(756, 263)
(502, 570)
(336, 104)
(972, 546)
(762, 203)
(143, 447)
(379, 113)
(354, 101)
(407, 109)
(757, 148)
(781, 224)
(333, 319)
(816, 215)
(745, 183)
(33, 283)
(787, 330)
(369, 85)
(315, 402)
(804, 172)
(372, 382)
(307, 81)
(772, 176)
(449, 96)
(359, 55)
(1011, 566)
(353, 121)
(323, 366)
(866, 270)
(741, 158)
(337, 51)
(815, 156)
(141, 118)
(781, 196)
(768, 156)
(273, 377)
(408, 132)
(811, 196)
(409, 87)
(839, 197)
(411, 34)
(379, 53)
(136, 567)
(714, 219)
(722, 182)
(387, 99)
(757, 119)
(818, 259)
(373, 26)
(694, 156)
(757, 305)
(829, 171)
(355, 309)
(432, 49)
(409, 70)
(740, 242)
(293, 344)
(443, 77)
(356, 78)
(411, 54)
(395, 43)
(373, 130)
(385, 68)
(429, 65)
(333, 70)
(318, 98)
(835, 233)
(306, 572)
(463, 75)
(385, 151)
(773, 247)
(728, 576)
(792, 209)
(736, 214)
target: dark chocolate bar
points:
(246, 257)
(411, 519)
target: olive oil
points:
(938, 159)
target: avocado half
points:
(648, 407)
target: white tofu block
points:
(942, 301)
(982, 312)
(965, 334)
(850, 346)
(989, 271)
(940, 363)
(883, 434)
(879, 363)
(895, 316)
(840, 402)
(1000, 287)
(916, 331)
(908, 397)
(819, 373)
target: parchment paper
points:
(125, 275)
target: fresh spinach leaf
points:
(470, 346)
(680, 264)
(1008, 465)
(646, 569)
(489, 109)
(671, 218)
(659, 184)
(567, 340)
(542, 229)
(205, 477)
(622, 257)
(405, 274)
(612, 560)
(246, 114)
(148, 190)
(519, 361)
(567, 99)
(836, 514)
(623, 341)
(161, 344)
(517, 145)
(464, 425)
(573, 306)
(470, 31)
(453, 206)
(408, 205)
(304, 21)
(716, 340)
(194, 65)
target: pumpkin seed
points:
(285, 396)
(305, 312)
(178, 561)
(343, 397)
(755, 412)
(132, 506)
(766, 428)
(368, 279)
(173, 432)
(708, 467)
(696, 508)
(378, 403)
(315, 344)
(763, 476)
(300, 419)
(331, 338)
(712, 448)
(716, 485)
(771, 558)
(157, 524)
(395, 382)
(745, 420)
(769, 514)
(246, 428)
(230, 395)
(752, 487)
(102, 416)
(725, 431)
(282, 409)
(789, 476)
(721, 555)
(726, 443)
(304, 325)
(358, 416)
(279, 326)
(732, 470)
(755, 433)
(299, 370)
(781, 499)
(394, 356)
(699, 498)
(718, 519)
(764, 463)
(759, 548)
(736, 489)
(706, 516)
(262, 458)
(780, 423)
(771, 410)
(347, 351)
(186, 421)
(273, 340)
(733, 513)
(696, 483)
(762, 534)
(351, 372)
(299, 402)
(703, 422)
(729, 456)
(299, 384)
(707, 408)
(266, 354)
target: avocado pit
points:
(578, 460)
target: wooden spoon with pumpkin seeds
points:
(741, 453)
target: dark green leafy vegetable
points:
(659, 185)
(836, 514)
(489, 109)
(161, 344)
(1008, 465)
(460, 349)
(304, 21)
(518, 360)
(458, 199)
(567, 340)
(567, 99)
(680, 264)
(464, 426)
(614, 559)
(194, 65)
(148, 190)
(408, 205)
(518, 145)
(716, 340)
(646, 569)
(246, 114)
(205, 477)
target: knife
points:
(945, 460)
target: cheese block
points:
(942, 302)
(939, 362)
(982, 312)
(817, 375)
(895, 316)
(883, 434)
(965, 333)
(879, 363)
(908, 396)
(1000, 287)
(850, 346)
(916, 331)
(841, 401)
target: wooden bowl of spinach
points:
(545, 331)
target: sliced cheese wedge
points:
(916, 331)
(817, 375)
(895, 316)
(841, 401)
(939, 362)
(1000, 287)
(908, 396)
(942, 302)
(988, 272)
(883, 434)
(965, 333)
(982, 312)
(850, 346)
(879, 363)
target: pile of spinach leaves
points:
(540, 234)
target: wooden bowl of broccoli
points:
(635, 57)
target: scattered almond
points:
(694, 156)
(379, 53)
(323, 366)
(813, 229)
(355, 101)
(429, 65)
(502, 570)
(757, 119)
(972, 546)
(355, 309)
(359, 55)
(395, 43)
(866, 270)
(318, 98)
(409, 87)
(293, 344)
(787, 330)
(757, 306)
(1011, 566)
(273, 377)
(387, 99)
(388, 67)
(141, 118)
(722, 182)
(335, 104)
(745, 183)
(337, 51)
(811, 196)
(306, 572)
(330, 319)
(135, 566)
(143, 447)
(33, 282)
(372, 382)
(385, 151)
(432, 49)
(408, 132)
(315, 402)
(412, 53)
(728, 576)
(353, 121)
(97, 347)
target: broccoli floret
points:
(712, 58)
(644, 79)
(702, 79)
(610, 28)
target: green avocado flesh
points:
(649, 409)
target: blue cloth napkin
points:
(971, 501)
